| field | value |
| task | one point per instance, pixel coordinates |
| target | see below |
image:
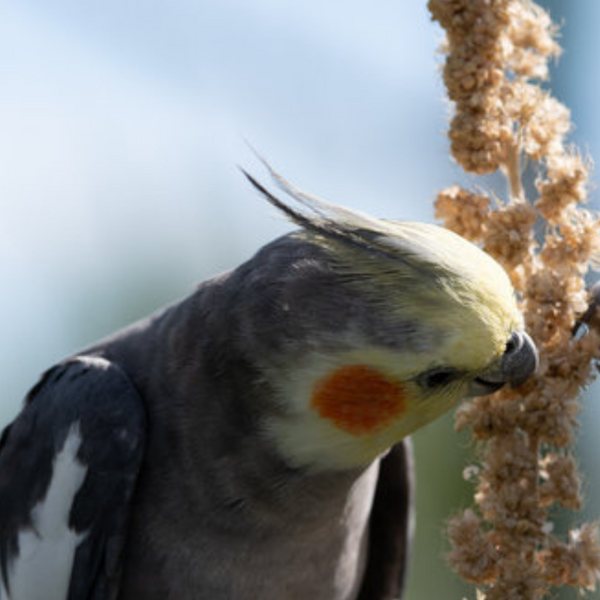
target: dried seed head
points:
(495, 49)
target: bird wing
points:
(68, 467)
(390, 526)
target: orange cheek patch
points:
(358, 399)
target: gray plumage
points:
(217, 513)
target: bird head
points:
(419, 319)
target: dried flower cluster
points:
(497, 51)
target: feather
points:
(403, 242)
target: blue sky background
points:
(122, 125)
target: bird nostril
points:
(513, 344)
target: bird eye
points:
(437, 377)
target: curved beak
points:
(515, 367)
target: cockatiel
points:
(250, 441)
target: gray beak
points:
(516, 366)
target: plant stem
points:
(512, 169)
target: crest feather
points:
(341, 224)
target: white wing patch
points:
(42, 569)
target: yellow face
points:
(452, 302)
(344, 410)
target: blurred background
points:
(122, 124)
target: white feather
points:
(42, 568)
